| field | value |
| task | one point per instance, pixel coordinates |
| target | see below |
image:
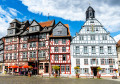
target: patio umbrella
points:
(9, 67)
(25, 66)
(14, 66)
(114, 69)
(20, 67)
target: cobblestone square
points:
(39, 80)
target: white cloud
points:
(13, 11)
(117, 37)
(74, 10)
(5, 18)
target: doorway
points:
(94, 70)
(46, 67)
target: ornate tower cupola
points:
(90, 13)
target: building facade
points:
(28, 44)
(1, 54)
(93, 47)
(60, 48)
(118, 53)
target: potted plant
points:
(115, 76)
(76, 72)
(56, 68)
(98, 74)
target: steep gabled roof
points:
(68, 31)
(47, 24)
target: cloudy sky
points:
(70, 12)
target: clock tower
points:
(90, 13)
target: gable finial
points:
(89, 3)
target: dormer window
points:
(34, 28)
(12, 25)
(11, 31)
(59, 32)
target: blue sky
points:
(73, 13)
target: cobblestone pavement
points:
(39, 80)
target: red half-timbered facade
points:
(28, 44)
(60, 48)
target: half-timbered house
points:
(60, 48)
(93, 47)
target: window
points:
(32, 44)
(67, 68)
(41, 65)
(104, 37)
(42, 44)
(101, 49)
(77, 50)
(12, 25)
(88, 29)
(106, 61)
(77, 61)
(10, 56)
(93, 49)
(59, 32)
(15, 47)
(34, 28)
(6, 48)
(15, 55)
(96, 29)
(64, 57)
(15, 39)
(56, 57)
(24, 45)
(7, 40)
(110, 61)
(56, 41)
(24, 38)
(93, 61)
(6, 57)
(24, 55)
(56, 49)
(102, 61)
(63, 49)
(42, 36)
(111, 70)
(86, 70)
(103, 70)
(32, 54)
(81, 38)
(85, 50)
(33, 36)
(11, 31)
(92, 37)
(109, 49)
(85, 61)
(41, 53)
(62, 68)
(63, 41)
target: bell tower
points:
(90, 13)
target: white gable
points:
(34, 23)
